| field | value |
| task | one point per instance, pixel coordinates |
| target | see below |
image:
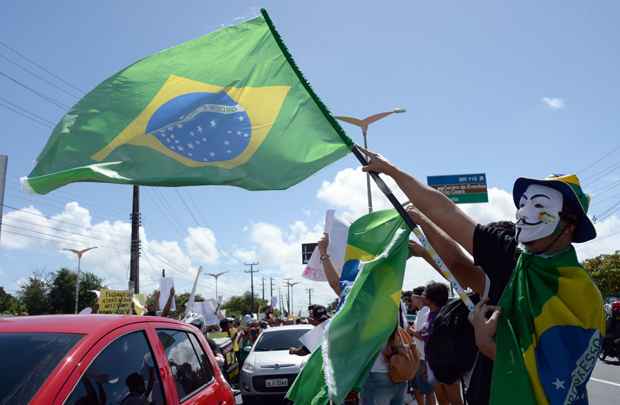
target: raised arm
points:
(432, 203)
(461, 266)
(330, 271)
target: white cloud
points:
(73, 228)
(347, 191)
(554, 103)
(201, 244)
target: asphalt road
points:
(603, 388)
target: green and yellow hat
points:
(574, 196)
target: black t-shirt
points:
(495, 251)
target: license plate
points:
(276, 382)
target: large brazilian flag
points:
(549, 334)
(376, 253)
(228, 108)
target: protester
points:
(152, 307)
(551, 215)
(435, 296)
(422, 389)
(378, 388)
(317, 314)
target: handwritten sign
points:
(114, 302)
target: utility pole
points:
(270, 287)
(4, 159)
(134, 262)
(309, 295)
(252, 271)
(263, 284)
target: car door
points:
(190, 367)
(121, 368)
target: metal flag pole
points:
(416, 231)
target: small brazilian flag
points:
(375, 259)
(228, 108)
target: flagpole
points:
(416, 231)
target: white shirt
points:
(380, 365)
(421, 320)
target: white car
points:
(269, 370)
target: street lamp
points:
(291, 304)
(363, 124)
(216, 276)
(79, 254)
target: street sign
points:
(306, 251)
(462, 188)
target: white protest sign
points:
(338, 232)
(165, 285)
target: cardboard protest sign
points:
(337, 231)
(114, 302)
(165, 285)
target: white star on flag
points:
(240, 118)
(212, 124)
(559, 384)
(199, 128)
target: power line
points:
(191, 213)
(26, 111)
(43, 68)
(18, 112)
(598, 160)
(49, 82)
(50, 100)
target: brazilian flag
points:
(550, 332)
(376, 254)
(228, 108)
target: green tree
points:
(605, 272)
(10, 304)
(239, 305)
(62, 291)
(34, 295)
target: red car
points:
(107, 359)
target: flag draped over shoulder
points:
(228, 108)
(549, 335)
(377, 248)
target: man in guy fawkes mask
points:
(540, 337)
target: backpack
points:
(451, 348)
(401, 356)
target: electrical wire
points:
(36, 75)
(43, 68)
(49, 99)
(16, 111)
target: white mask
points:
(539, 213)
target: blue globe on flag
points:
(203, 127)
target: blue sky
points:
(472, 76)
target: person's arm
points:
(330, 271)
(436, 206)
(166, 310)
(460, 265)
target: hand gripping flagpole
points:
(416, 231)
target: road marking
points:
(604, 381)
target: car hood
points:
(276, 359)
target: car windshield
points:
(27, 360)
(279, 340)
